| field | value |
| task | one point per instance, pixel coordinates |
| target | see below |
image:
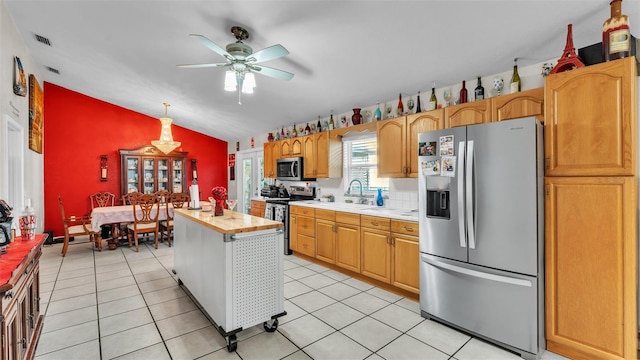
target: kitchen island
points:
(233, 266)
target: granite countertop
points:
(392, 213)
(231, 222)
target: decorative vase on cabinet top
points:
(356, 118)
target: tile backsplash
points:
(403, 193)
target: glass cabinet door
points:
(132, 175)
(163, 174)
(177, 175)
(149, 176)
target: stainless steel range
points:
(278, 206)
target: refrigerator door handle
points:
(477, 274)
(471, 230)
(461, 225)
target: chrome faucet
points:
(351, 183)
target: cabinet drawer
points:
(306, 211)
(375, 222)
(307, 245)
(347, 218)
(404, 227)
(294, 210)
(326, 214)
(306, 226)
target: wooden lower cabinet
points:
(591, 266)
(348, 241)
(258, 208)
(293, 232)
(376, 248)
(326, 235)
(406, 255)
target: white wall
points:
(17, 107)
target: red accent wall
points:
(78, 129)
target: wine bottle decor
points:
(569, 59)
(378, 114)
(433, 100)
(463, 93)
(479, 90)
(616, 38)
(332, 124)
(515, 86)
(411, 104)
(400, 110)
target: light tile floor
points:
(126, 305)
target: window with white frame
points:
(360, 161)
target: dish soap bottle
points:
(379, 199)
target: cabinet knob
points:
(408, 228)
(374, 223)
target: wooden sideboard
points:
(20, 318)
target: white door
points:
(250, 173)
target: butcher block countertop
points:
(231, 222)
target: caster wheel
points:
(272, 327)
(174, 271)
(232, 343)
(180, 282)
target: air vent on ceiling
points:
(55, 71)
(43, 39)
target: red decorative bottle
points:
(356, 118)
(400, 106)
(463, 93)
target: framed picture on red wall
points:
(36, 114)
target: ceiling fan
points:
(243, 62)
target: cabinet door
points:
(406, 262)
(149, 174)
(591, 120)
(296, 147)
(522, 104)
(163, 175)
(131, 173)
(326, 241)
(178, 175)
(591, 266)
(309, 158)
(271, 154)
(293, 232)
(348, 246)
(416, 124)
(306, 244)
(477, 112)
(285, 148)
(376, 254)
(391, 148)
(12, 337)
(322, 155)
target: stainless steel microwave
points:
(290, 169)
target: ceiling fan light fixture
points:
(166, 143)
(249, 83)
(230, 83)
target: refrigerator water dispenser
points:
(438, 204)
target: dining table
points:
(118, 214)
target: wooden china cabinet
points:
(148, 170)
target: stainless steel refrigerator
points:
(482, 231)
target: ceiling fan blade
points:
(213, 46)
(266, 54)
(274, 73)
(202, 65)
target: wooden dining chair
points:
(104, 199)
(163, 195)
(145, 222)
(177, 201)
(129, 198)
(76, 226)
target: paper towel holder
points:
(194, 203)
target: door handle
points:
(478, 274)
(461, 224)
(471, 230)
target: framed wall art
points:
(36, 114)
(19, 78)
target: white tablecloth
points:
(121, 214)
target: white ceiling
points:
(344, 54)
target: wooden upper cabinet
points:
(476, 112)
(416, 124)
(291, 147)
(591, 120)
(296, 147)
(522, 104)
(309, 151)
(271, 155)
(392, 140)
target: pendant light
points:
(165, 143)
